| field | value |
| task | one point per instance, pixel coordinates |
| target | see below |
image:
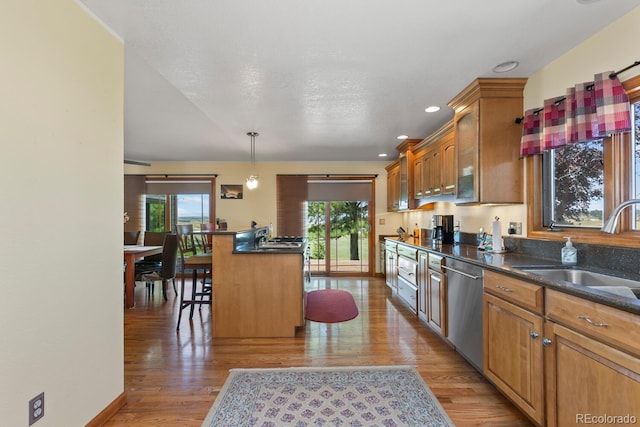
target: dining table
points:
(131, 254)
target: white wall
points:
(61, 127)
(612, 49)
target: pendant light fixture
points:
(252, 181)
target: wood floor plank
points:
(172, 378)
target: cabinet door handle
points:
(503, 288)
(591, 322)
(534, 335)
(546, 342)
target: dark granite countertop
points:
(254, 250)
(512, 264)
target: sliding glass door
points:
(339, 237)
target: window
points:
(155, 208)
(573, 189)
(577, 186)
(636, 163)
(190, 209)
(169, 201)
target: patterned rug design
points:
(384, 396)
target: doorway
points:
(339, 237)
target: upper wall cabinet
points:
(487, 141)
(400, 188)
(393, 186)
(434, 165)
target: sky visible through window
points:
(191, 206)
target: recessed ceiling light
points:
(382, 155)
(432, 109)
(505, 66)
(402, 137)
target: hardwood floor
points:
(172, 379)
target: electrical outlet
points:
(36, 408)
(515, 228)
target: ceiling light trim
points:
(506, 66)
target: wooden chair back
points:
(206, 238)
(186, 241)
(131, 237)
(154, 238)
(169, 256)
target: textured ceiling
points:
(320, 80)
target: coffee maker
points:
(442, 228)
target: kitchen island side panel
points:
(255, 294)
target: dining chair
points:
(152, 262)
(186, 238)
(205, 238)
(192, 261)
(167, 270)
(131, 237)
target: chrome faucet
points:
(610, 225)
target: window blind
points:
(339, 190)
(292, 198)
(179, 187)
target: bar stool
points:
(194, 262)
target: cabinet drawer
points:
(408, 252)
(607, 324)
(519, 292)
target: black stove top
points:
(287, 239)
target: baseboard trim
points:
(108, 412)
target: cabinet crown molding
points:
(488, 88)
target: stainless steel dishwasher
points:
(464, 305)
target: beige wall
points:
(260, 204)
(61, 127)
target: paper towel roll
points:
(498, 244)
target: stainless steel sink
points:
(604, 282)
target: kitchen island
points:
(258, 291)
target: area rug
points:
(355, 396)
(330, 306)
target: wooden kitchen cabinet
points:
(587, 354)
(418, 176)
(487, 141)
(433, 184)
(448, 172)
(434, 164)
(400, 186)
(393, 186)
(391, 265)
(423, 290)
(432, 292)
(591, 360)
(512, 341)
(437, 302)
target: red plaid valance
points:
(589, 111)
